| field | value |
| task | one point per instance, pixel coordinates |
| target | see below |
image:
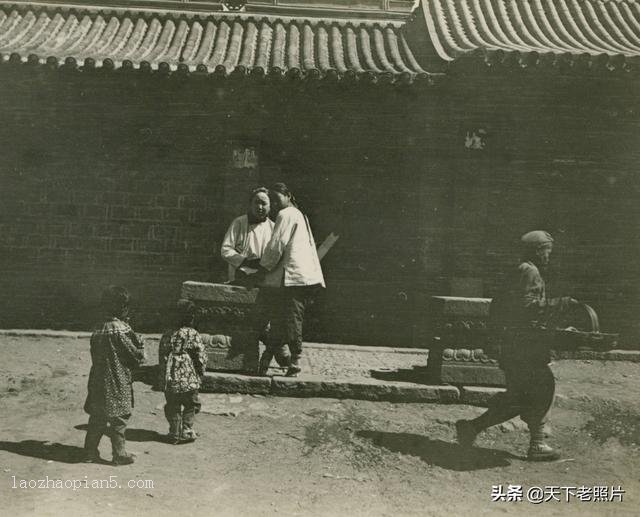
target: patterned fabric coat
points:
(183, 360)
(115, 352)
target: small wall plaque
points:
(245, 158)
(475, 139)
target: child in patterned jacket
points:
(183, 361)
(115, 352)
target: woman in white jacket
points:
(292, 272)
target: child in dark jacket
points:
(183, 360)
(115, 352)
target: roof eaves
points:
(273, 75)
(587, 34)
(203, 9)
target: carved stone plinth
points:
(470, 367)
(228, 321)
(457, 353)
(237, 352)
(460, 342)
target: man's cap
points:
(536, 239)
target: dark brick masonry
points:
(109, 177)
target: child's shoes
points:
(188, 435)
(172, 439)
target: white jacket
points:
(291, 256)
(244, 240)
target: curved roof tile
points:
(233, 41)
(578, 27)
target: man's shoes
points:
(293, 371)
(294, 368)
(283, 359)
(282, 355)
(465, 433)
(542, 452)
(91, 457)
(125, 459)
(264, 363)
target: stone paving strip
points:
(349, 371)
(612, 355)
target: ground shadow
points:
(438, 452)
(45, 450)
(134, 435)
(147, 374)
(416, 375)
(144, 435)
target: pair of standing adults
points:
(280, 257)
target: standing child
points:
(115, 352)
(182, 363)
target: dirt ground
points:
(287, 456)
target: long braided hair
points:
(281, 188)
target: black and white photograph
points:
(333, 258)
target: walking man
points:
(522, 315)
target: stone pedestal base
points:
(472, 375)
(457, 352)
(238, 352)
(227, 321)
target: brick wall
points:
(561, 154)
(101, 187)
(128, 179)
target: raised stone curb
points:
(44, 333)
(63, 334)
(312, 386)
(365, 389)
(363, 348)
(622, 355)
(477, 395)
(632, 356)
(214, 382)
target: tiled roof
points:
(609, 29)
(221, 43)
